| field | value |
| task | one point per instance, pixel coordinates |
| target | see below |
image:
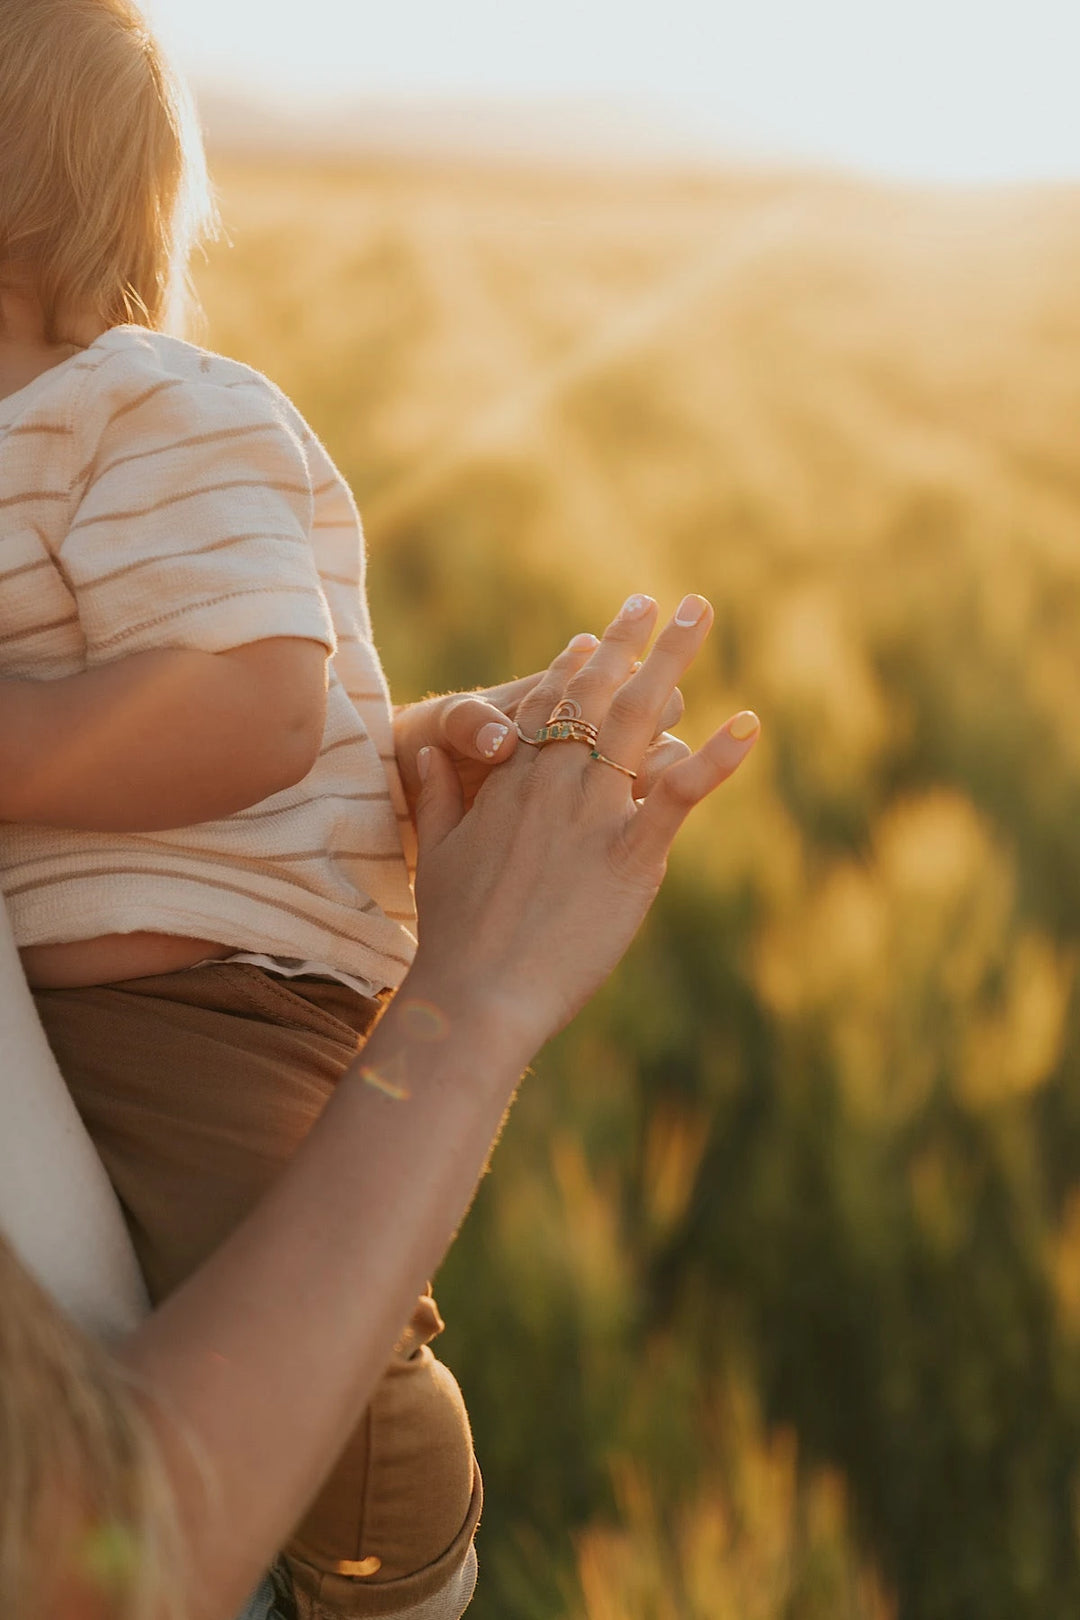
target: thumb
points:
(474, 729)
(440, 805)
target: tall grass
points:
(770, 1306)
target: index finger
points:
(549, 689)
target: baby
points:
(202, 849)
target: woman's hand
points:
(475, 730)
(526, 902)
(478, 730)
(534, 894)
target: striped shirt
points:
(153, 495)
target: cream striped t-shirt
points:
(154, 495)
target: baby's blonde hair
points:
(103, 188)
(84, 1495)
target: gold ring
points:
(603, 759)
(567, 709)
(567, 731)
(532, 742)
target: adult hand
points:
(538, 889)
(478, 730)
(526, 902)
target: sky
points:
(983, 90)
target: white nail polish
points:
(635, 606)
(490, 739)
(689, 611)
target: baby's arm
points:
(206, 629)
(163, 738)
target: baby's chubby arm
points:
(164, 738)
(188, 555)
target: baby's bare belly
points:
(113, 956)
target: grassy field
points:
(771, 1308)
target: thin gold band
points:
(603, 760)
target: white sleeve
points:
(194, 528)
(57, 1207)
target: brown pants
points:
(197, 1087)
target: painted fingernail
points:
(490, 738)
(635, 606)
(423, 763)
(690, 610)
(585, 642)
(744, 725)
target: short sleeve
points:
(194, 524)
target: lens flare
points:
(110, 1556)
(381, 1082)
(423, 1021)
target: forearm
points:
(161, 739)
(323, 1274)
(267, 1355)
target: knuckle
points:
(677, 789)
(539, 703)
(587, 687)
(623, 632)
(632, 705)
(458, 712)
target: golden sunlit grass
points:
(762, 1542)
(840, 1064)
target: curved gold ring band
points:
(532, 742)
(602, 759)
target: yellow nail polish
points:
(744, 725)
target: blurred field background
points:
(770, 1309)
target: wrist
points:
(441, 1007)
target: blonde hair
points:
(83, 1493)
(103, 188)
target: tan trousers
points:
(196, 1088)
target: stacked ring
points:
(567, 731)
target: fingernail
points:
(490, 738)
(585, 642)
(423, 763)
(635, 606)
(690, 610)
(744, 725)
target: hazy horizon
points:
(940, 91)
